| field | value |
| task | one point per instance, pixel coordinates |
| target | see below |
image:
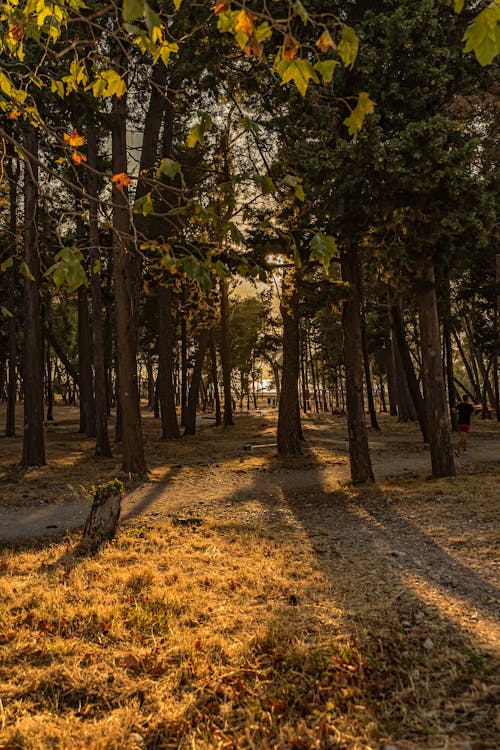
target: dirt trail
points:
(244, 489)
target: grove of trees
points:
(341, 158)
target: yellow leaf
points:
(74, 139)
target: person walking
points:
(464, 410)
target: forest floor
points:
(252, 602)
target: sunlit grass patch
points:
(219, 636)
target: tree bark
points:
(13, 176)
(391, 383)
(33, 437)
(87, 403)
(433, 378)
(361, 468)
(411, 378)
(215, 380)
(290, 434)
(133, 459)
(166, 343)
(102, 446)
(194, 388)
(225, 354)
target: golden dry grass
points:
(307, 632)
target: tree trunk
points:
(87, 403)
(184, 367)
(102, 446)
(215, 381)
(33, 438)
(448, 352)
(433, 378)
(470, 374)
(391, 381)
(166, 343)
(290, 435)
(405, 404)
(411, 378)
(361, 468)
(133, 459)
(496, 362)
(50, 394)
(13, 176)
(194, 388)
(225, 353)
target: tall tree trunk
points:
(411, 378)
(215, 380)
(405, 403)
(102, 446)
(496, 362)
(470, 374)
(391, 379)
(194, 388)
(87, 403)
(184, 366)
(361, 467)
(50, 394)
(303, 369)
(13, 170)
(33, 437)
(433, 378)
(225, 353)
(166, 343)
(290, 435)
(133, 459)
(448, 352)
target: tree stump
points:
(102, 520)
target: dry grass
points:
(281, 620)
(215, 636)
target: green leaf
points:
(299, 193)
(169, 168)
(354, 122)
(263, 32)
(235, 234)
(250, 125)
(459, 5)
(267, 185)
(326, 69)
(96, 268)
(143, 205)
(197, 270)
(7, 264)
(152, 19)
(323, 249)
(482, 36)
(348, 46)
(25, 271)
(197, 133)
(177, 4)
(132, 9)
(300, 72)
(5, 313)
(301, 11)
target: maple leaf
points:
(244, 23)
(121, 180)
(254, 47)
(74, 139)
(16, 32)
(78, 157)
(325, 41)
(222, 6)
(290, 47)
